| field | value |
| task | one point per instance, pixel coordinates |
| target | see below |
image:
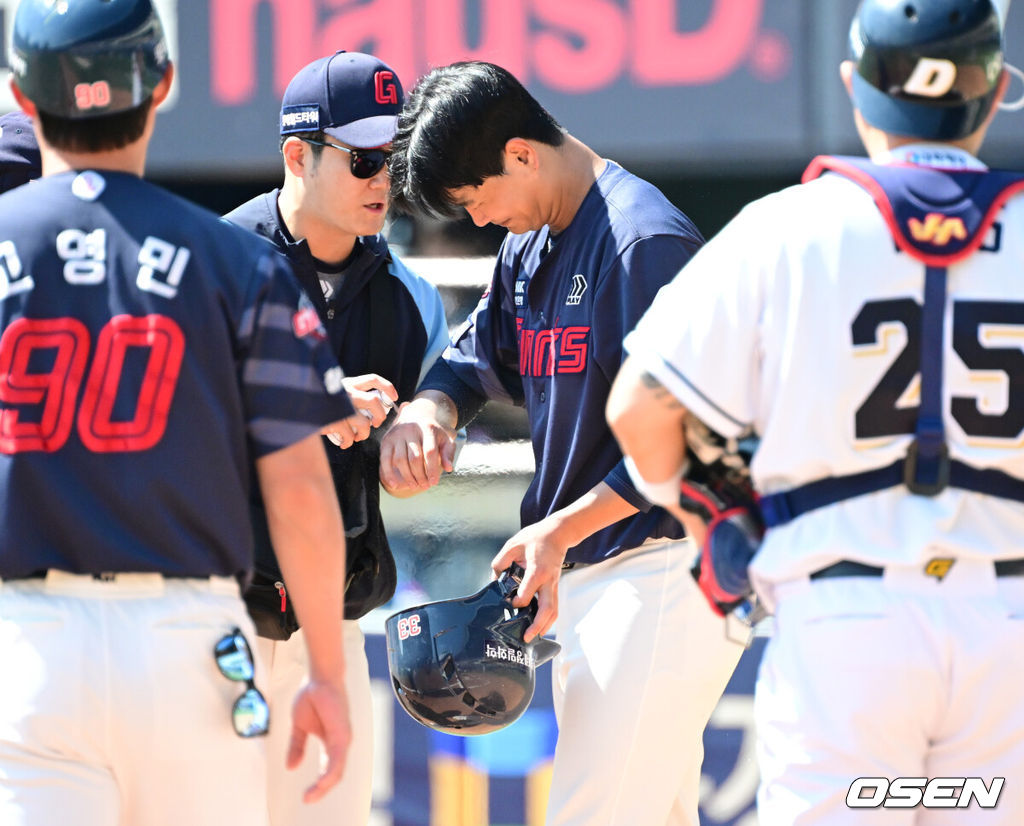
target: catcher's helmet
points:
(85, 58)
(926, 68)
(460, 665)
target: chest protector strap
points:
(938, 217)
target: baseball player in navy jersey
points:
(872, 317)
(643, 659)
(150, 354)
(387, 326)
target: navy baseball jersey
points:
(548, 335)
(149, 351)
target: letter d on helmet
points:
(86, 58)
(926, 68)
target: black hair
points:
(452, 133)
(98, 134)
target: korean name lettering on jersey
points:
(84, 253)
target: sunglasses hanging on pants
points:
(250, 714)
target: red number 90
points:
(63, 345)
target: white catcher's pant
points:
(894, 676)
(643, 664)
(285, 671)
(112, 709)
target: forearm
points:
(315, 572)
(595, 510)
(647, 421)
(465, 401)
(309, 542)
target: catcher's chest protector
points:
(938, 217)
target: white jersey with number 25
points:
(802, 321)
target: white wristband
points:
(657, 493)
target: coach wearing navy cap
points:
(350, 96)
(19, 152)
(386, 325)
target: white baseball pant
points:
(643, 664)
(285, 669)
(902, 675)
(112, 709)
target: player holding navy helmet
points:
(149, 354)
(589, 246)
(872, 318)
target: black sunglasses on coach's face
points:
(365, 163)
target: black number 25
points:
(879, 415)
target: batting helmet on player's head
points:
(461, 665)
(85, 58)
(926, 68)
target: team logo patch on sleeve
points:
(306, 321)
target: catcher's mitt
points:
(716, 487)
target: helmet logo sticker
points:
(931, 78)
(513, 655)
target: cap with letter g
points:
(353, 97)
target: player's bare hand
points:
(416, 450)
(372, 396)
(540, 550)
(346, 432)
(322, 710)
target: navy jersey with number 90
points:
(149, 352)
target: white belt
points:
(108, 582)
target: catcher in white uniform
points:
(872, 319)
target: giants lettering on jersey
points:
(550, 351)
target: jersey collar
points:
(933, 156)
